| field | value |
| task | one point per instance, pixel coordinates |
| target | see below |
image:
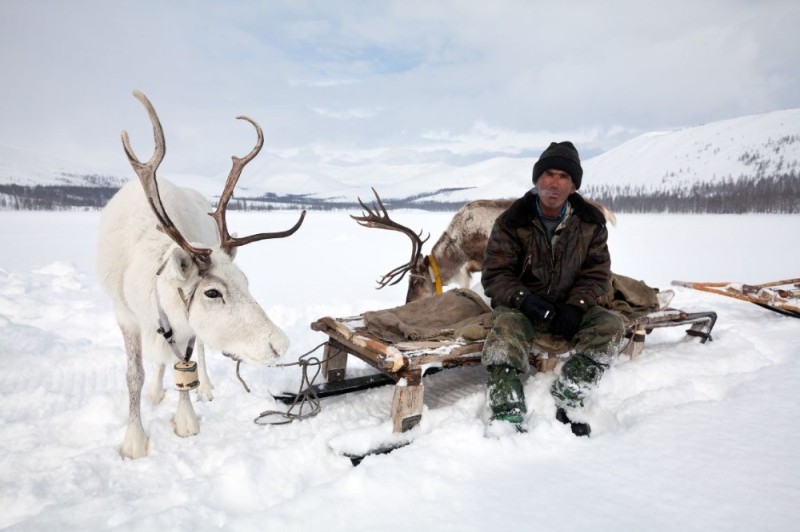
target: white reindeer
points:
(167, 264)
(455, 256)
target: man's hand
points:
(536, 309)
(567, 321)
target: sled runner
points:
(375, 338)
(782, 297)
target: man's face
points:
(554, 186)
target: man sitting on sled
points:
(546, 269)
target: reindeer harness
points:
(437, 278)
(185, 369)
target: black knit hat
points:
(561, 156)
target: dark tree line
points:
(773, 195)
(54, 197)
(776, 195)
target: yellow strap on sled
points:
(437, 279)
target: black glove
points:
(535, 308)
(567, 321)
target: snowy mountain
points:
(751, 146)
(761, 145)
(25, 168)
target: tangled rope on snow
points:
(306, 401)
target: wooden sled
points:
(782, 297)
(406, 363)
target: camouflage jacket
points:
(574, 268)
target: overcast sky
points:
(381, 81)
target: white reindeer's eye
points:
(212, 293)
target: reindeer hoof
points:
(156, 395)
(185, 421)
(186, 427)
(135, 444)
(204, 392)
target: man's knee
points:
(509, 341)
(600, 334)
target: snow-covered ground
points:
(686, 437)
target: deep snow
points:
(687, 436)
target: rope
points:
(305, 397)
(239, 376)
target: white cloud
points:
(383, 76)
(344, 114)
(321, 82)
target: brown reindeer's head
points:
(420, 283)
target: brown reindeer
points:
(455, 256)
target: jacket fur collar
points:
(523, 210)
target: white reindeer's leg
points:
(155, 391)
(205, 387)
(185, 421)
(134, 445)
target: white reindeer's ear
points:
(178, 265)
(232, 251)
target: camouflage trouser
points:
(598, 340)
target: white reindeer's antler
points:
(227, 242)
(147, 175)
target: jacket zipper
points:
(528, 260)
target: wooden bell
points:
(186, 375)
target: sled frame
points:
(406, 363)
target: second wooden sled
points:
(782, 297)
(406, 363)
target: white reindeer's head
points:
(213, 300)
(209, 291)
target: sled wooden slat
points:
(384, 357)
(393, 358)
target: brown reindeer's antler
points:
(147, 175)
(227, 242)
(371, 218)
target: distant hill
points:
(752, 161)
(28, 169)
(746, 164)
(32, 181)
(751, 146)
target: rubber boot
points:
(506, 396)
(578, 429)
